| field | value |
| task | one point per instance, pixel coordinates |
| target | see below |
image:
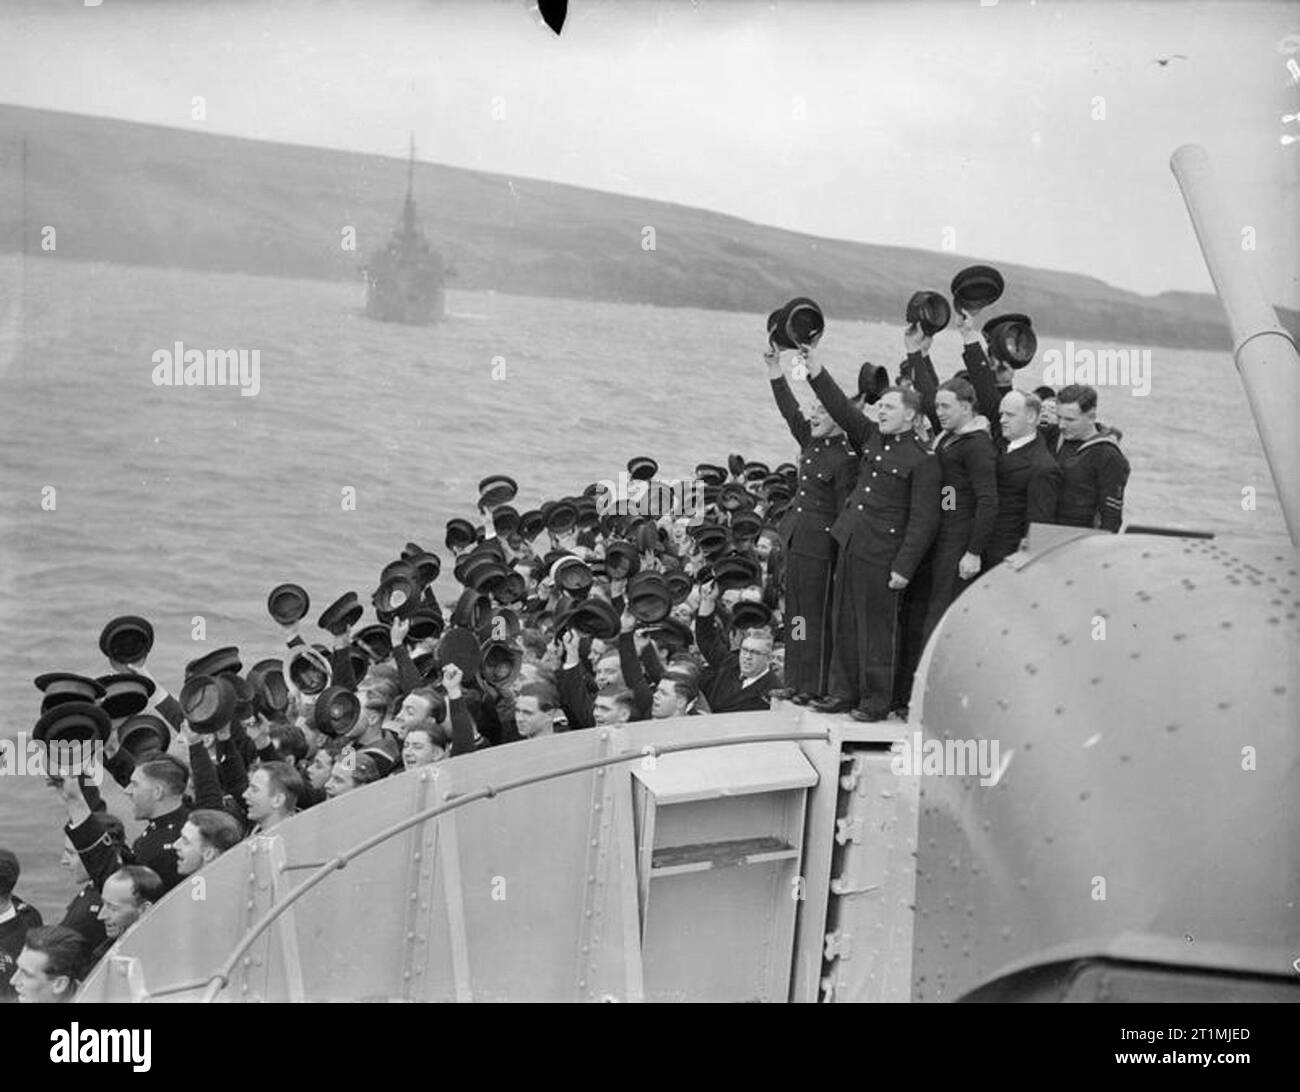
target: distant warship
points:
(404, 280)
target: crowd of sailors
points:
(816, 582)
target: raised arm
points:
(207, 787)
(341, 663)
(88, 834)
(575, 698)
(785, 399)
(707, 637)
(408, 676)
(851, 419)
(464, 734)
(921, 368)
(988, 398)
(630, 663)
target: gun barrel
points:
(1264, 351)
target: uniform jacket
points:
(1092, 493)
(12, 934)
(1029, 486)
(153, 848)
(968, 465)
(892, 515)
(828, 470)
(101, 858)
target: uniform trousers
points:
(945, 584)
(808, 623)
(866, 632)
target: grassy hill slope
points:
(148, 195)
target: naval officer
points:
(888, 524)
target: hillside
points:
(147, 195)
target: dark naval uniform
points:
(100, 858)
(1095, 473)
(153, 848)
(1029, 486)
(968, 493)
(887, 525)
(1028, 478)
(13, 930)
(828, 470)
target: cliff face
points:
(146, 195)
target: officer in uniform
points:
(828, 470)
(887, 526)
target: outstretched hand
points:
(966, 323)
(915, 340)
(451, 679)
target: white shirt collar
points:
(1013, 444)
(9, 914)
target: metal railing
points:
(218, 980)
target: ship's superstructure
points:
(404, 280)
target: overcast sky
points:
(877, 122)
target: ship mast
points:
(408, 209)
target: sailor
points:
(537, 709)
(49, 965)
(968, 480)
(16, 917)
(887, 526)
(1095, 469)
(271, 797)
(206, 835)
(673, 697)
(828, 470)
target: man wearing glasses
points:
(739, 681)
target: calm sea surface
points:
(185, 503)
